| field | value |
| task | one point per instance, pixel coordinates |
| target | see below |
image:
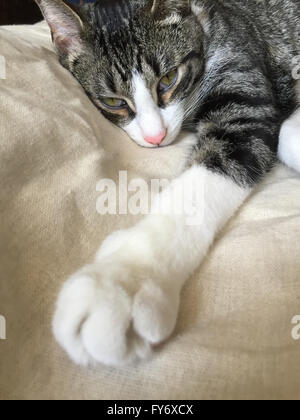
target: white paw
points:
(113, 311)
(289, 142)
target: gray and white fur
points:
(220, 69)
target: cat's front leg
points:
(289, 143)
(116, 309)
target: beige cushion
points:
(233, 338)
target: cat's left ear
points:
(162, 9)
(65, 24)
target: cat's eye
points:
(168, 81)
(114, 103)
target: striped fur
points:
(237, 87)
(233, 90)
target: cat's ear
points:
(162, 9)
(65, 24)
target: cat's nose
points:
(156, 139)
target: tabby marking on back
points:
(221, 69)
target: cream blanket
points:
(234, 335)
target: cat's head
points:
(138, 60)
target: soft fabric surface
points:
(233, 338)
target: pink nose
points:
(156, 139)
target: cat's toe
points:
(108, 334)
(72, 309)
(155, 312)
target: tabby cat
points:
(224, 71)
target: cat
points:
(221, 69)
